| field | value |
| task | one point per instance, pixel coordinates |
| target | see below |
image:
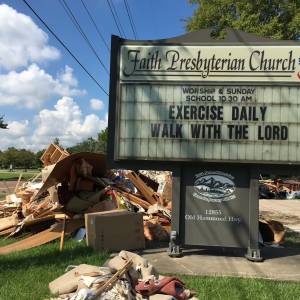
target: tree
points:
(19, 158)
(56, 141)
(277, 19)
(2, 124)
(102, 140)
(98, 145)
(37, 161)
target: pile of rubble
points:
(126, 276)
(279, 189)
(73, 185)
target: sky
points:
(44, 93)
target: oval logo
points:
(214, 186)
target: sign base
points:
(217, 207)
(254, 255)
(174, 248)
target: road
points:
(5, 185)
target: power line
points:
(130, 19)
(80, 30)
(95, 25)
(66, 48)
(116, 18)
(115, 11)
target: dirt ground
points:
(285, 211)
(7, 187)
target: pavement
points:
(279, 264)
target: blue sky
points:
(43, 92)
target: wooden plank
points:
(7, 231)
(39, 220)
(149, 195)
(111, 282)
(17, 185)
(8, 222)
(137, 200)
(42, 237)
(62, 237)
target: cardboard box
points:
(115, 230)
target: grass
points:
(223, 288)
(25, 276)
(292, 240)
(6, 175)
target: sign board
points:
(210, 63)
(174, 104)
(216, 206)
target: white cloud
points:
(21, 41)
(67, 77)
(72, 127)
(16, 135)
(96, 104)
(64, 121)
(18, 129)
(33, 86)
(24, 83)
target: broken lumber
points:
(62, 237)
(53, 154)
(18, 183)
(42, 237)
(132, 198)
(9, 222)
(146, 191)
(7, 231)
(111, 282)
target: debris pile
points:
(78, 184)
(279, 189)
(126, 276)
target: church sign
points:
(174, 105)
(213, 112)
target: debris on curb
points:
(126, 276)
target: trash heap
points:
(126, 276)
(77, 184)
(279, 189)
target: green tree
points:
(102, 140)
(98, 145)
(37, 161)
(18, 158)
(56, 141)
(1, 160)
(277, 19)
(3, 125)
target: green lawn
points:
(6, 175)
(25, 275)
(292, 240)
(227, 288)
